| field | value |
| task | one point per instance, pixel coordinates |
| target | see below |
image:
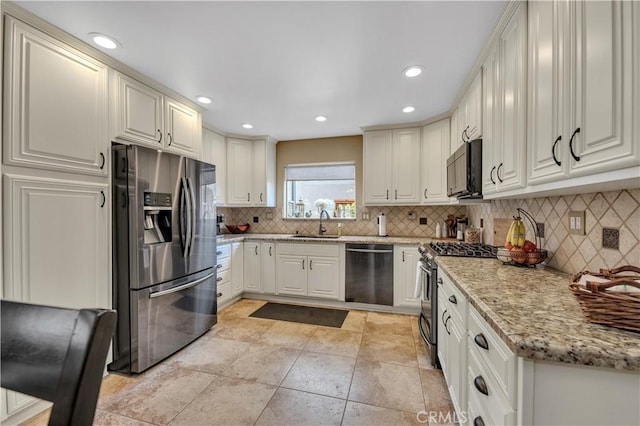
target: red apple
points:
(529, 246)
(508, 245)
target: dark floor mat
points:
(303, 314)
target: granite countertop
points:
(537, 316)
(364, 239)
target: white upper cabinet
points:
(581, 89)
(392, 167)
(143, 115)
(473, 109)
(251, 170)
(214, 151)
(435, 151)
(454, 133)
(504, 103)
(56, 104)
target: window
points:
(311, 188)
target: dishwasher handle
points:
(369, 251)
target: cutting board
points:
(500, 229)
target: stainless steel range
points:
(428, 321)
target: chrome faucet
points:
(322, 229)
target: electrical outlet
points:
(411, 215)
(256, 219)
(365, 216)
(540, 227)
(611, 238)
(423, 221)
(576, 222)
(269, 215)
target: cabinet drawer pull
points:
(478, 421)
(573, 135)
(102, 161)
(270, 250)
(256, 250)
(160, 133)
(481, 341)
(104, 199)
(219, 279)
(465, 135)
(248, 196)
(425, 193)
(443, 314)
(170, 139)
(387, 194)
(553, 150)
(403, 255)
(311, 265)
(218, 253)
(219, 266)
(498, 172)
(219, 294)
(491, 175)
(302, 263)
(396, 194)
(261, 197)
(453, 299)
(445, 325)
(481, 385)
(439, 281)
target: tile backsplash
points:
(573, 253)
(399, 224)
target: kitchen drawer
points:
(223, 251)
(304, 249)
(224, 292)
(225, 263)
(224, 276)
(476, 414)
(495, 402)
(497, 358)
(454, 301)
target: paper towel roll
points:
(382, 225)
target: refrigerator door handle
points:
(180, 287)
(185, 214)
(193, 213)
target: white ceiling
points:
(279, 64)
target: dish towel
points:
(418, 291)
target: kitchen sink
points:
(315, 236)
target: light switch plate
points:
(576, 222)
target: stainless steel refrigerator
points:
(164, 254)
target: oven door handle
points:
(424, 335)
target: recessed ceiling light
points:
(105, 41)
(408, 109)
(204, 99)
(413, 71)
(321, 118)
(247, 126)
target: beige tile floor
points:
(372, 371)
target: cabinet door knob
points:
(219, 279)
(387, 194)
(443, 314)
(218, 266)
(396, 191)
(498, 172)
(445, 325)
(248, 196)
(160, 133)
(478, 421)
(481, 341)
(256, 249)
(491, 175)
(425, 193)
(218, 253)
(219, 295)
(102, 161)
(439, 281)
(403, 255)
(270, 250)
(311, 265)
(573, 135)
(453, 299)
(481, 385)
(553, 150)
(302, 263)
(261, 197)
(170, 139)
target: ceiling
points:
(277, 65)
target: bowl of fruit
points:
(518, 250)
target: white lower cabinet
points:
(405, 260)
(56, 242)
(309, 270)
(223, 272)
(237, 268)
(259, 267)
(452, 341)
(268, 265)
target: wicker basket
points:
(601, 305)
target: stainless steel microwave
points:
(464, 171)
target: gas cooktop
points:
(463, 249)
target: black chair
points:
(56, 354)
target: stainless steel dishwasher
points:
(369, 273)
